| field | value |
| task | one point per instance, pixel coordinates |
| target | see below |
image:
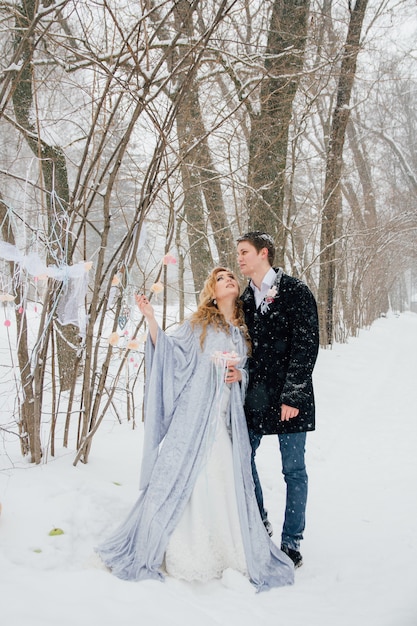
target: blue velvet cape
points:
(179, 395)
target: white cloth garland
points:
(71, 306)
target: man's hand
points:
(288, 412)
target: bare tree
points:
(203, 201)
(332, 190)
(268, 147)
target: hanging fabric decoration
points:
(6, 297)
(71, 305)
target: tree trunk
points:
(270, 127)
(362, 163)
(332, 189)
(203, 199)
(54, 173)
(29, 422)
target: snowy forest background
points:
(139, 139)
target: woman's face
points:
(226, 286)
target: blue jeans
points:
(292, 447)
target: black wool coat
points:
(285, 343)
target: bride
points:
(196, 514)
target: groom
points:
(281, 315)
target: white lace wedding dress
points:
(207, 539)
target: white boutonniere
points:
(271, 294)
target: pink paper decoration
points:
(169, 260)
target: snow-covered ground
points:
(360, 547)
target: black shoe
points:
(294, 555)
(268, 527)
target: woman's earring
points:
(214, 301)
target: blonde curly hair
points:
(208, 314)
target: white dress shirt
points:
(267, 282)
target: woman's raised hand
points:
(145, 307)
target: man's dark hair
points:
(260, 240)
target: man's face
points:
(251, 262)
